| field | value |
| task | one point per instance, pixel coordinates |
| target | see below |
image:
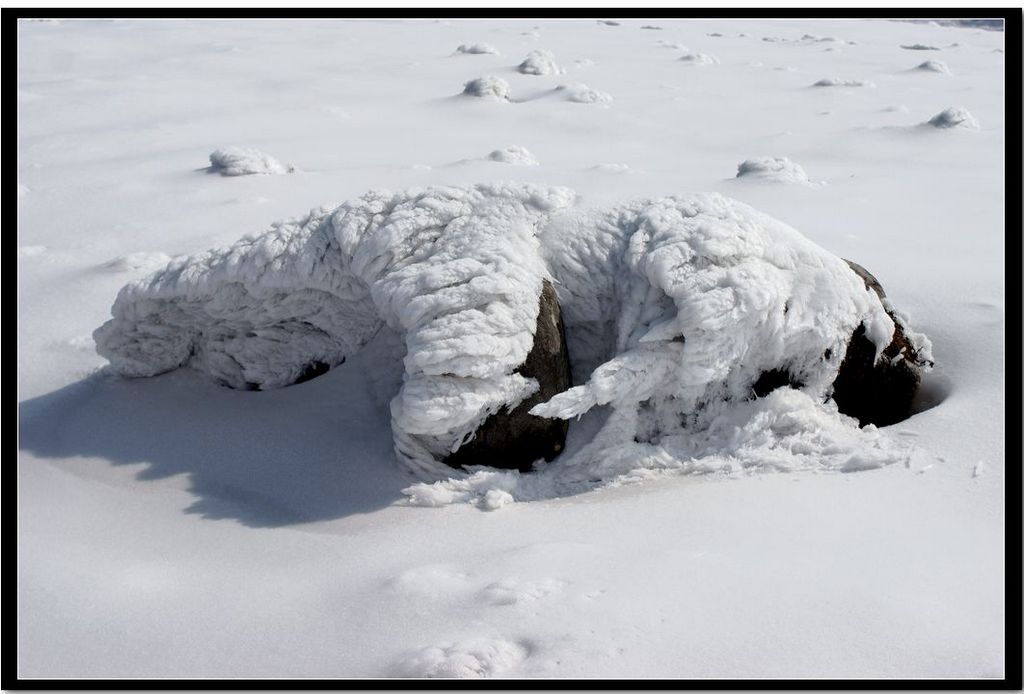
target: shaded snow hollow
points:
(673, 308)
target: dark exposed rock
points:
(878, 393)
(770, 380)
(516, 439)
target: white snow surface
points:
(171, 527)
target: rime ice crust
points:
(457, 271)
(673, 308)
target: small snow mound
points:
(699, 59)
(510, 591)
(514, 154)
(488, 87)
(652, 27)
(539, 62)
(899, 108)
(933, 66)
(244, 161)
(954, 117)
(777, 169)
(918, 47)
(29, 251)
(582, 94)
(474, 488)
(613, 168)
(477, 49)
(136, 261)
(675, 45)
(839, 82)
(475, 658)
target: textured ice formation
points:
(777, 169)
(673, 310)
(514, 154)
(539, 62)
(488, 87)
(954, 117)
(243, 161)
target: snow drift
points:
(673, 309)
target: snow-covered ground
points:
(172, 527)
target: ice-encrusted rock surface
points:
(673, 310)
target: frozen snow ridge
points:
(488, 87)
(776, 169)
(513, 154)
(539, 62)
(954, 117)
(699, 59)
(673, 309)
(582, 94)
(477, 49)
(839, 82)
(244, 161)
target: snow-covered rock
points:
(673, 310)
(582, 94)
(477, 49)
(777, 169)
(514, 154)
(540, 62)
(933, 66)
(954, 117)
(243, 161)
(840, 82)
(488, 87)
(699, 59)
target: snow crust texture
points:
(673, 309)
(244, 161)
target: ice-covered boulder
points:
(514, 154)
(775, 169)
(675, 311)
(840, 82)
(488, 87)
(881, 391)
(244, 161)
(539, 62)
(954, 117)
